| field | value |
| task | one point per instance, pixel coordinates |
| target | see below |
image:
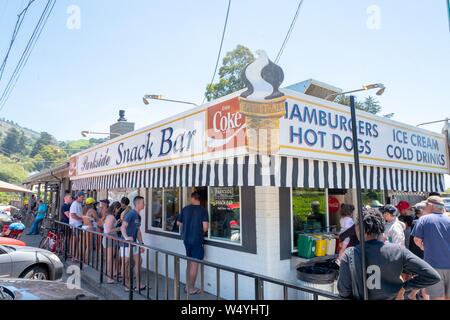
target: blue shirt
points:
(434, 230)
(134, 223)
(43, 207)
(192, 218)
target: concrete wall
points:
(266, 261)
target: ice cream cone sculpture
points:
(262, 104)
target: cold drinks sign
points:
(319, 129)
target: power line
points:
(220, 48)
(288, 34)
(26, 53)
(20, 18)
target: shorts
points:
(107, 242)
(442, 288)
(195, 251)
(125, 251)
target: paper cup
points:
(263, 124)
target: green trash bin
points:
(306, 246)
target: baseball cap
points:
(403, 205)
(106, 201)
(389, 208)
(436, 200)
(79, 194)
(90, 201)
(420, 206)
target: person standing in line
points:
(65, 208)
(193, 222)
(131, 231)
(394, 229)
(345, 222)
(406, 217)
(390, 261)
(432, 234)
(419, 211)
(110, 232)
(32, 203)
(76, 221)
(101, 213)
(40, 216)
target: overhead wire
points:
(288, 34)
(220, 47)
(26, 53)
(20, 18)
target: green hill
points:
(6, 124)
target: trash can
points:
(322, 275)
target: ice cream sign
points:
(252, 119)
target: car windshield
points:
(4, 294)
(6, 248)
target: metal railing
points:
(84, 245)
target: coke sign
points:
(226, 126)
(333, 204)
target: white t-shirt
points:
(346, 222)
(76, 208)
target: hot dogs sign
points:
(263, 119)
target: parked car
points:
(5, 218)
(11, 210)
(29, 263)
(24, 289)
(11, 242)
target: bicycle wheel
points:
(44, 244)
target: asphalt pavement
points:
(34, 240)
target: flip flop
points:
(196, 291)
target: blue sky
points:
(79, 79)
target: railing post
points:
(131, 275)
(236, 286)
(218, 284)
(167, 278)
(202, 278)
(156, 276)
(176, 278)
(81, 247)
(285, 293)
(66, 239)
(101, 260)
(147, 265)
(259, 289)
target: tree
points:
(230, 73)
(10, 171)
(14, 141)
(370, 104)
(45, 139)
(49, 156)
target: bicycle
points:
(53, 242)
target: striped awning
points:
(259, 170)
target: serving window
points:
(118, 194)
(164, 208)
(309, 212)
(223, 205)
(225, 214)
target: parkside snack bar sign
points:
(265, 120)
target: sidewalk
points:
(90, 280)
